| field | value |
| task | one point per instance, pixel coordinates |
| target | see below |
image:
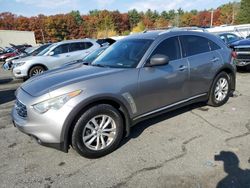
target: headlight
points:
(55, 103)
(19, 64)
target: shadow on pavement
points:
(245, 69)
(6, 80)
(138, 129)
(7, 96)
(236, 177)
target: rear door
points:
(203, 62)
(78, 50)
(160, 86)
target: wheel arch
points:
(74, 115)
(37, 64)
(231, 72)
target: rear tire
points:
(36, 70)
(220, 90)
(98, 131)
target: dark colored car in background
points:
(242, 50)
(229, 38)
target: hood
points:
(28, 58)
(57, 78)
(243, 42)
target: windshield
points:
(123, 54)
(92, 56)
(46, 50)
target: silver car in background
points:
(91, 107)
(54, 56)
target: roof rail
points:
(167, 29)
(156, 28)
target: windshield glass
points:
(123, 54)
(46, 50)
(92, 56)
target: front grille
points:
(21, 109)
(242, 49)
(243, 56)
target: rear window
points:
(194, 45)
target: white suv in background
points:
(54, 56)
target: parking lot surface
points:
(176, 149)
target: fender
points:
(229, 69)
(83, 106)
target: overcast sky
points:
(49, 7)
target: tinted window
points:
(223, 38)
(169, 47)
(213, 46)
(61, 49)
(194, 45)
(80, 46)
(232, 38)
(88, 45)
(75, 47)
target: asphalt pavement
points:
(176, 149)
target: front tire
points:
(36, 70)
(98, 131)
(220, 90)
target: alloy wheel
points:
(99, 132)
(221, 89)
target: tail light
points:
(234, 54)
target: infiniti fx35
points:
(91, 107)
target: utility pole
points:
(42, 36)
(212, 18)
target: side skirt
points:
(199, 98)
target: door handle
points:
(67, 55)
(214, 59)
(182, 67)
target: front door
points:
(160, 86)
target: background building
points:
(16, 37)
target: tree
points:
(139, 28)
(243, 15)
(134, 17)
(77, 17)
(226, 13)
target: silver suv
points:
(53, 56)
(92, 107)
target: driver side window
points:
(169, 47)
(64, 48)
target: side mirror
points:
(158, 59)
(51, 53)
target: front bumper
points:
(18, 72)
(45, 128)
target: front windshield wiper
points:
(99, 65)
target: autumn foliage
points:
(103, 23)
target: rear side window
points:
(213, 46)
(64, 48)
(194, 45)
(169, 47)
(88, 45)
(80, 46)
